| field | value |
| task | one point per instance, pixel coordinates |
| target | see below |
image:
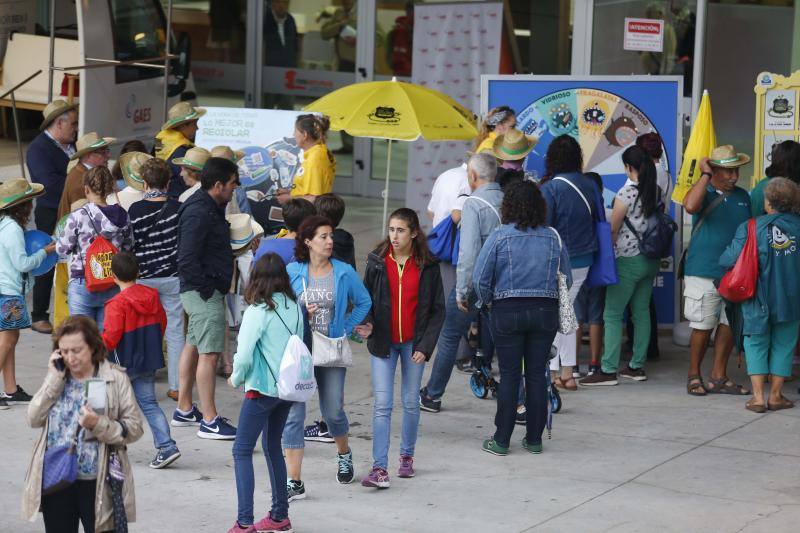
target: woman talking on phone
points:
(86, 404)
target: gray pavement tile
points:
(760, 435)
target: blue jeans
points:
(144, 388)
(91, 304)
(268, 415)
(523, 335)
(383, 371)
(456, 324)
(330, 387)
(169, 292)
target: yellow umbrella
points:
(702, 140)
(396, 111)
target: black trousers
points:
(63, 510)
(46, 220)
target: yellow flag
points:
(702, 140)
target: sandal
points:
(726, 386)
(695, 387)
(225, 370)
(785, 403)
(755, 407)
(564, 384)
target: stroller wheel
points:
(555, 399)
(478, 385)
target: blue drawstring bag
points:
(443, 241)
(604, 265)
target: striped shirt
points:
(156, 248)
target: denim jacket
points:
(520, 264)
(567, 212)
(478, 220)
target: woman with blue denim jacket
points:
(272, 317)
(516, 274)
(328, 288)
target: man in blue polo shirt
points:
(719, 207)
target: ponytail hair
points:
(99, 180)
(495, 116)
(315, 126)
(649, 193)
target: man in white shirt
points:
(447, 197)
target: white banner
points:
(453, 45)
(239, 127)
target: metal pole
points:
(16, 132)
(166, 59)
(52, 49)
(699, 55)
(386, 190)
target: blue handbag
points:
(60, 469)
(604, 265)
(443, 241)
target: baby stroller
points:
(481, 382)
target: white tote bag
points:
(296, 381)
(567, 321)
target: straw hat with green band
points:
(91, 142)
(244, 229)
(181, 113)
(55, 109)
(513, 145)
(131, 165)
(227, 152)
(19, 190)
(726, 157)
(194, 159)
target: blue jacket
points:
(517, 263)
(205, 258)
(47, 164)
(262, 341)
(567, 212)
(478, 220)
(777, 296)
(14, 260)
(348, 289)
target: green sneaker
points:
(489, 445)
(533, 448)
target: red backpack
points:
(97, 262)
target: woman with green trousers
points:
(771, 318)
(634, 204)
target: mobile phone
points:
(59, 364)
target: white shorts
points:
(703, 307)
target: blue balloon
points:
(35, 240)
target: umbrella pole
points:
(386, 189)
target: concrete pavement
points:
(636, 457)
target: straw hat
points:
(513, 145)
(181, 113)
(726, 157)
(227, 153)
(131, 165)
(195, 159)
(16, 191)
(55, 109)
(91, 142)
(244, 229)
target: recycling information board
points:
(605, 114)
(776, 116)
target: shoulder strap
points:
(577, 190)
(560, 245)
(490, 206)
(707, 211)
(284, 323)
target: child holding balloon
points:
(16, 206)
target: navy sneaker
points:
(426, 403)
(17, 397)
(192, 419)
(295, 490)
(165, 457)
(219, 429)
(317, 432)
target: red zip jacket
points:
(404, 296)
(133, 329)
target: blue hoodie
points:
(347, 288)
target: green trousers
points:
(772, 352)
(635, 285)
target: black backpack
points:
(655, 242)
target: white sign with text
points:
(644, 35)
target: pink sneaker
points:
(268, 525)
(377, 478)
(239, 529)
(406, 466)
